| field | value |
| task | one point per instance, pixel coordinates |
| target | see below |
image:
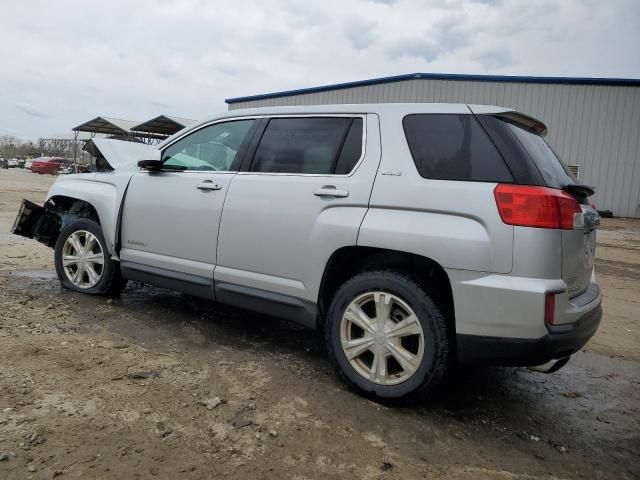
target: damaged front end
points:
(43, 223)
(34, 221)
(116, 161)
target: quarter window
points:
(313, 145)
(453, 147)
(211, 148)
(351, 150)
(555, 173)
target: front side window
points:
(453, 147)
(309, 145)
(212, 148)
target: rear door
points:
(303, 197)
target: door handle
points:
(330, 191)
(209, 185)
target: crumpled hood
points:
(120, 154)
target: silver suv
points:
(415, 236)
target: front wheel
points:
(83, 262)
(386, 336)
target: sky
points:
(64, 62)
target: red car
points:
(48, 165)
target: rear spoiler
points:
(530, 123)
(580, 190)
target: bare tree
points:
(9, 145)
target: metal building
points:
(594, 123)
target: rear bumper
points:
(559, 342)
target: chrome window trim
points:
(183, 172)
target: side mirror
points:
(150, 165)
(151, 161)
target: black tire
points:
(110, 281)
(436, 345)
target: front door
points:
(170, 218)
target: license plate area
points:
(589, 249)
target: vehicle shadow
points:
(466, 394)
(467, 390)
(463, 388)
(590, 404)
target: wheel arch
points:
(58, 212)
(75, 207)
(347, 262)
(75, 197)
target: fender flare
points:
(106, 198)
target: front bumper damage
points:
(40, 223)
(43, 223)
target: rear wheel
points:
(82, 261)
(386, 336)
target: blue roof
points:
(619, 82)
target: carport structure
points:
(163, 125)
(114, 128)
(118, 128)
(149, 132)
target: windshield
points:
(553, 170)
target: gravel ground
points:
(156, 384)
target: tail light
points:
(542, 207)
(550, 308)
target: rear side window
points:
(313, 145)
(554, 172)
(453, 147)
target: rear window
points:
(554, 172)
(453, 147)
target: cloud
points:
(159, 104)
(184, 57)
(29, 110)
(360, 33)
(416, 48)
(494, 59)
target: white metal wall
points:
(594, 126)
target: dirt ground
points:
(156, 384)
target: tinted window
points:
(453, 147)
(351, 150)
(305, 145)
(554, 172)
(211, 148)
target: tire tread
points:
(112, 282)
(437, 322)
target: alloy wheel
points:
(382, 338)
(83, 259)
